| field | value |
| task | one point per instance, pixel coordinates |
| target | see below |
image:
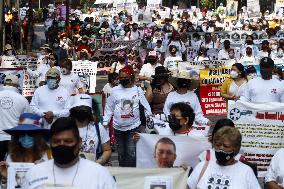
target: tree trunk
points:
(30, 27)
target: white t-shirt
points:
(90, 140)
(195, 44)
(55, 100)
(107, 89)
(148, 70)
(12, 105)
(223, 55)
(237, 90)
(234, 176)
(71, 82)
(85, 173)
(188, 98)
(134, 35)
(208, 45)
(248, 60)
(275, 171)
(260, 91)
(171, 63)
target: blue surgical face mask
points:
(51, 83)
(26, 141)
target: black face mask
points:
(266, 74)
(64, 154)
(227, 46)
(82, 115)
(249, 42)
(121, 60)
(223, 157)
(152, 61)
(183, 83)
(124, 82)
(174, 123)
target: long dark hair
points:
(241, 68)
(18, 153)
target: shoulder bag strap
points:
(202, 171)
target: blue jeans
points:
(126, 147)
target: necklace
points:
(54, 179)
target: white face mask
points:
(273, 47)
(234, 74)
(251, 76)
(9, 53)
(280, 54)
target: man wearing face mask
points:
(69, 80)
(224, 53)
(67, 169)
(248, 58)
(123, 105)
(13, 104)
(51, 101)
(183, 83)
(175, 41)
(249, 42)
(148, 69)
(265, 88)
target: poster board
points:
(16, 174)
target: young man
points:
(165, 153)
(67, 169)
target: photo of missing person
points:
(20, 178)
(231, 9)
(126, 108)
(158, 186)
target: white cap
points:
(11, 79)
(82, 100)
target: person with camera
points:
(159, 89)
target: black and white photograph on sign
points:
(17, 174)
(155, 186)
(156, 182)
(85, 79)
(232, 8)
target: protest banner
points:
(262, 129)
(166, 178)
(279, 3)
(17, 173)
(211, 80)
(154, 3)
(29, 84)
(190, 65)
(253, 8)
(193, 145)
(87, 71)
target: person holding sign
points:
(123, 105)
(70, 80)
(265, 88)
(28, 144)
(183, 83)
(225, 172)
(95, 140)
(234, 86)
(67, 169)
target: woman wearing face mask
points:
(234, 86)
(159, 89)
(123, 106)
(265, 50)
(183, 83)
(40, 72)
(226, 170)
(28, 143)
(249, 42)
(95, 140)
(69, 80)
(202, 55)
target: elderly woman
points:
(28, 143)
(226, 171)
(274, 176)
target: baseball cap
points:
(52, 72)
(82, 100)
(11, 79)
